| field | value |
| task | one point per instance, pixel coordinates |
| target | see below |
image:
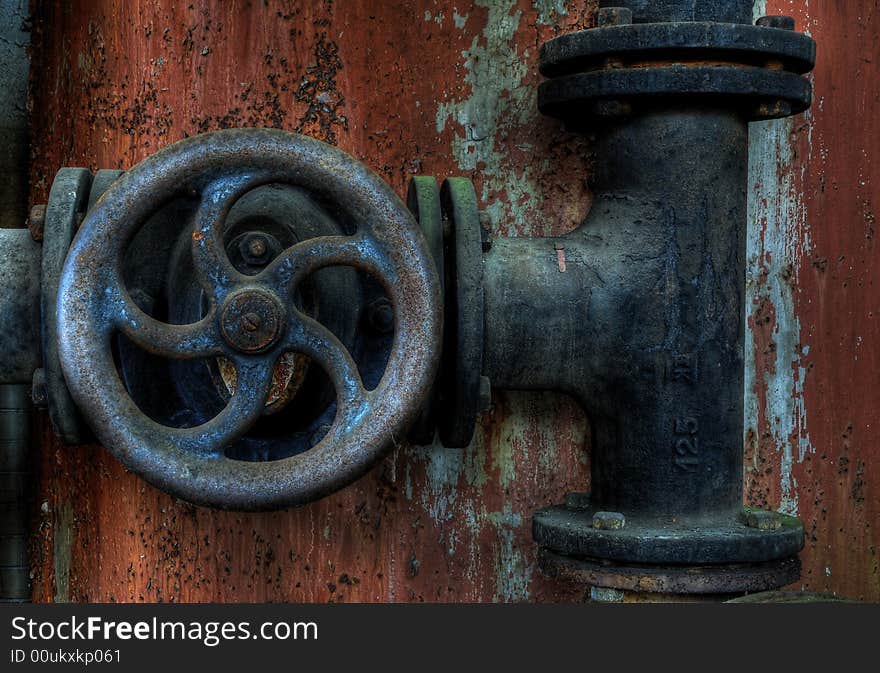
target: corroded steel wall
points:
(812, 394)
(418, 86)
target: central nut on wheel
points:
(252, 320)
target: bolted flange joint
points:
(620, 65)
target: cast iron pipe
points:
(639, 313)
(19, 303)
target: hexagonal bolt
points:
(608, 520)
(614, 16)
(776, 21)
(763, 520)
(36, 221)
(254, 248)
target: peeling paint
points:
(513, 575)
(778, 237)
(498, 105)
(777, 241)
(549, 10)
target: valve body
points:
(639, 313)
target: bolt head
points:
(252, 320)
(254, 249)
(776, 21)
(608, 520)
(614, 16)
(763, 520)
(36, 221)
(257, 247)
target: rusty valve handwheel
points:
(251, 320)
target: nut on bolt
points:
(608, 520)
(763, 520)
(776, 21)
(254, 248)
(614, 16)
(36, 221)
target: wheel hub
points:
(252, 320)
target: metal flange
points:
(750, 537)
(68, 200)
(643, 43)
(423, 201)
(605, 71)
(462, 365)
(450, 220)
(671, 579)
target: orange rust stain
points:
(836, 302)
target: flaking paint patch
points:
(498, 106)
(447, 471)
(549, 10)
(778, 238)
(513, 574)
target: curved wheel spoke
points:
(311, 338)
(253, 381)
(213, 268)
(179, 342)
(308, 256)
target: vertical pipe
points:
(14, 131)
(20, 276)
(681, 453)
(15, 416)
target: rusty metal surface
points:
(455, 93)
(813, 343)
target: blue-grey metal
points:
(14, 136)
(66, 207)
(19, 301)
(19, 306)
(639, 312)
(251, 319)
(15, 476)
